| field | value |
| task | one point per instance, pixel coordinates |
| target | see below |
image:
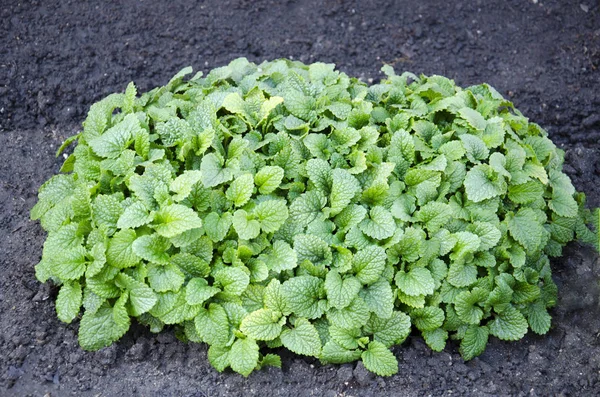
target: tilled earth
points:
(57, 58)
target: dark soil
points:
(57, 58)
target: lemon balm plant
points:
(290, 205)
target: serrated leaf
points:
(262, 324)
(379, 225)
(509, 325)
(379, 359)
(68, 301)
(243, 356)
(368, 264)
(268, 179)
(473, 342)
(303, 295)
(417, 281)
(303, 338)
(241, 190)
(341, 292)
(175, 219)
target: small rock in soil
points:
(362, 375)
(344, 374)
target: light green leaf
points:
(68, 301)
(271, 214)
(380, 224)
(241, 190)
(344, 187)
(268, 179)
(379, 359)
(233, 280)
(368, 264)
(341, 292)
(165, 278)
(303, 295)
(302, 339)
(175, 219)
(243, 356)
(262, 324)
(417, 281)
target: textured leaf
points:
(175, 219)
(262, 324)
(268, 179)
(379, 359)
(243, 356)
(302, 339)
(68, 301)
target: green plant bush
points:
(290, 205)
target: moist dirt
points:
(57, 58)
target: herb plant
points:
(290, 205)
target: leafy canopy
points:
(290, 205)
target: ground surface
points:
(57, 58)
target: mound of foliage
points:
(290, 205)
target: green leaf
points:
(436, 339)
(368, 264)
(434, 215)
(233, 280)
(307, 207)
(344, 187)
(243, 356)
(165, 278)
(116, 139)
(303, 338)
(465, 305)
(175, 219)
(379, 298)
(474, 342)
(319, 173)
(303, 295)
(213, 173)
(218, 356)
(389, 331)
(244, 226)
(141, 297)
(380, 224)
(101, 328)
(417, 281)
(134, 216)
(212, 325)
(341, 292)
(332, 353)
(526, 193)
(271, 214)
(312, 248)
(68, 301)
(217, 227)
(197, 291)
(427, 318)
(241, 190)
(379, 359)
(509, 325)
(526, 229)
(282, 257)
(150, 247)
(482, 183)
(262, 324)
(184, 183)
(538, 318)
(354, 315)
(268, 179)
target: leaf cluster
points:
(290, 205)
